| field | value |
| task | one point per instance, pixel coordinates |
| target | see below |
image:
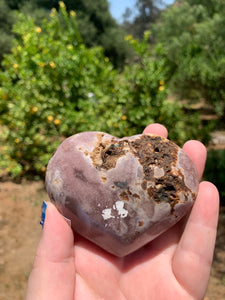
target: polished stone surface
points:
(121, 193)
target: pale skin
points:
(176, 265)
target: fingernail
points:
(43, 210)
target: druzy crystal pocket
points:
(121, 193)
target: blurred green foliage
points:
(53, 86)
(96, 25)
(139, 19)
(6, 21)
(8, 16)
(215, 171)
(144, 95)
(193, 36)
(98, 28)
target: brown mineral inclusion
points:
(121, 193)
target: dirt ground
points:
(20, 232)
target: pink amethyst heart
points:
(121, 193)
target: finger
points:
(53, 273)
(197, 152)
(156, 129)
(193, 257)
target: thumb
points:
(53, 273)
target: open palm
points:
(176, 265)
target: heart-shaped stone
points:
(121, 193)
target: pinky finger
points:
(193, 257)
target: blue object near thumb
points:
(43, 210)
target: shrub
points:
(52, 86)
(144, 95)
(215, 171)
(192, 33)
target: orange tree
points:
(52, 86)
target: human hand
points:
(176, 265)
